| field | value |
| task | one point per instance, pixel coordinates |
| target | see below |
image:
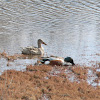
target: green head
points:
(70, 60)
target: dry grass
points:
(98, 54)
(37, 82)
(99, 64)
(80, 72)
(98, 74)
(47, 81)
(12, 57)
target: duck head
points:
(41, 42)
(70, 60)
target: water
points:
(69, 27)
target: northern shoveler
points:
(56, 60)
(34, 50)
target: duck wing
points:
(31, 48)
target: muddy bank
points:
(46, 82)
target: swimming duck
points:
(34, 50)
(57, 60)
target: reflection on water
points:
(69, 27)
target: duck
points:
(31, 50)
(59, 61)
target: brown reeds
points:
(37, 83)
(12, 57)
(48, 82)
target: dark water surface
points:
(69, 27)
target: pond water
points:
(69, 27)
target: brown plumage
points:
(56, 62)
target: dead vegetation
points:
(48, 82)
(38, 83)
(14, 57)
(80, 72)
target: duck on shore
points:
(31, 50)
(56, 60)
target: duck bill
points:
(44, 43)
(73, 64)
